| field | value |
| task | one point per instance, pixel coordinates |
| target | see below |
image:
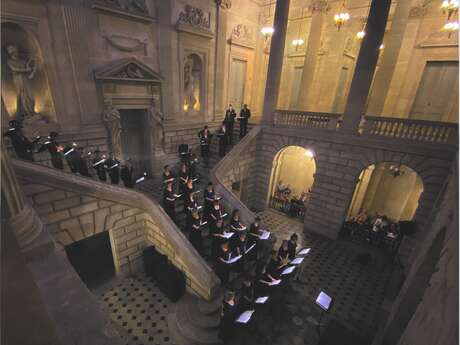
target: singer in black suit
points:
(229, 121)
(245, 114)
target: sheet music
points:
(234, 259)
(224, 215)
(288, 270)
(264, 234)
(65, 154)
(304, 251)
(391, 235)
(275, 282)
(324, 300)
(203, 223)
(261, 300)
(297, 261)
(227, 235)
(245, 317)
(177, 195)
(247, 250)
(113, 166)
(140, 179)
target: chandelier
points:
(341, 18)
(451, 7)
(267, 30)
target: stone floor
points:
(139, 309)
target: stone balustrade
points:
(73, 208)
(306, 119)
(409, 129)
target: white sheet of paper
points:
(227, 234)
(304, 251)
(224, 215)
(140, 179)
(288, 270)
(297, 261)
(245, 317)
(264, 235)
(261, 300)
(275, 282)
(247, 250)
(234, 259)
(203, 223)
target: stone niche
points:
(195, 28)
(26, 94)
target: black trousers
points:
(243, 127)
(204, 151)
(56, 161)
(229, 132)
(222, 146)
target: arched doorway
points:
(388, 189)
(291, 180)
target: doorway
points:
(92, 259)
(134, 139)
(435, 90)
(237, 83)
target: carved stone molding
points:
(195, 21)
(132, 9)
(319, 6)
(224, 4)
(439, 39)
(130, 69)
(195, 16)
(125, 43)
(243, 35)
(417, 11)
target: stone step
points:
(189, 305)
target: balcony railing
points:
(409, 129)
(306, 119)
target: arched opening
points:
(26, 93)
(387, 189)
(292, 177)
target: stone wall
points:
(425, 311)
(72, 214)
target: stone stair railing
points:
(409, 129)
(306, 119)
(196, 268)
(229, 199)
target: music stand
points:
(324, 301)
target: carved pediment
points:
(130, 69)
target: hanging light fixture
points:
(267, 30)
(298, 41)
(451, 7)
(450, 27)
(342, 17)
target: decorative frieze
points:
(126, 44)
(242, 35)
(132, 9)
(195, 21)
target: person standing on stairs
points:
(98, 165)
(168, 176)
(209, 197)
(183, 178)
(245, 114)
(127, 174)
(113, 168)
(54, 149)
(205, 141)
(194, 231)
(229, 121)
(169, 201)
(222, 135)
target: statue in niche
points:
(189, 81)
(156, 118)
(23, 71)
(112, 122)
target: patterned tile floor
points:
(139, 309)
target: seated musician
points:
(274, 265)
(263, 283)
(235, 224)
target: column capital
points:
(318, 6)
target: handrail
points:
(411, 129)
(199, 270)
(306, 119)
(229, 199)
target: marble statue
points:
(156, 119)
(189, 82)
(23, 71)
(112, 121)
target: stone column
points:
(22, 218)
(311, 52)
(365, 65)
(275, 62)
(220, 54)
(389, 59)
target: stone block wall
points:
(71, 217)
